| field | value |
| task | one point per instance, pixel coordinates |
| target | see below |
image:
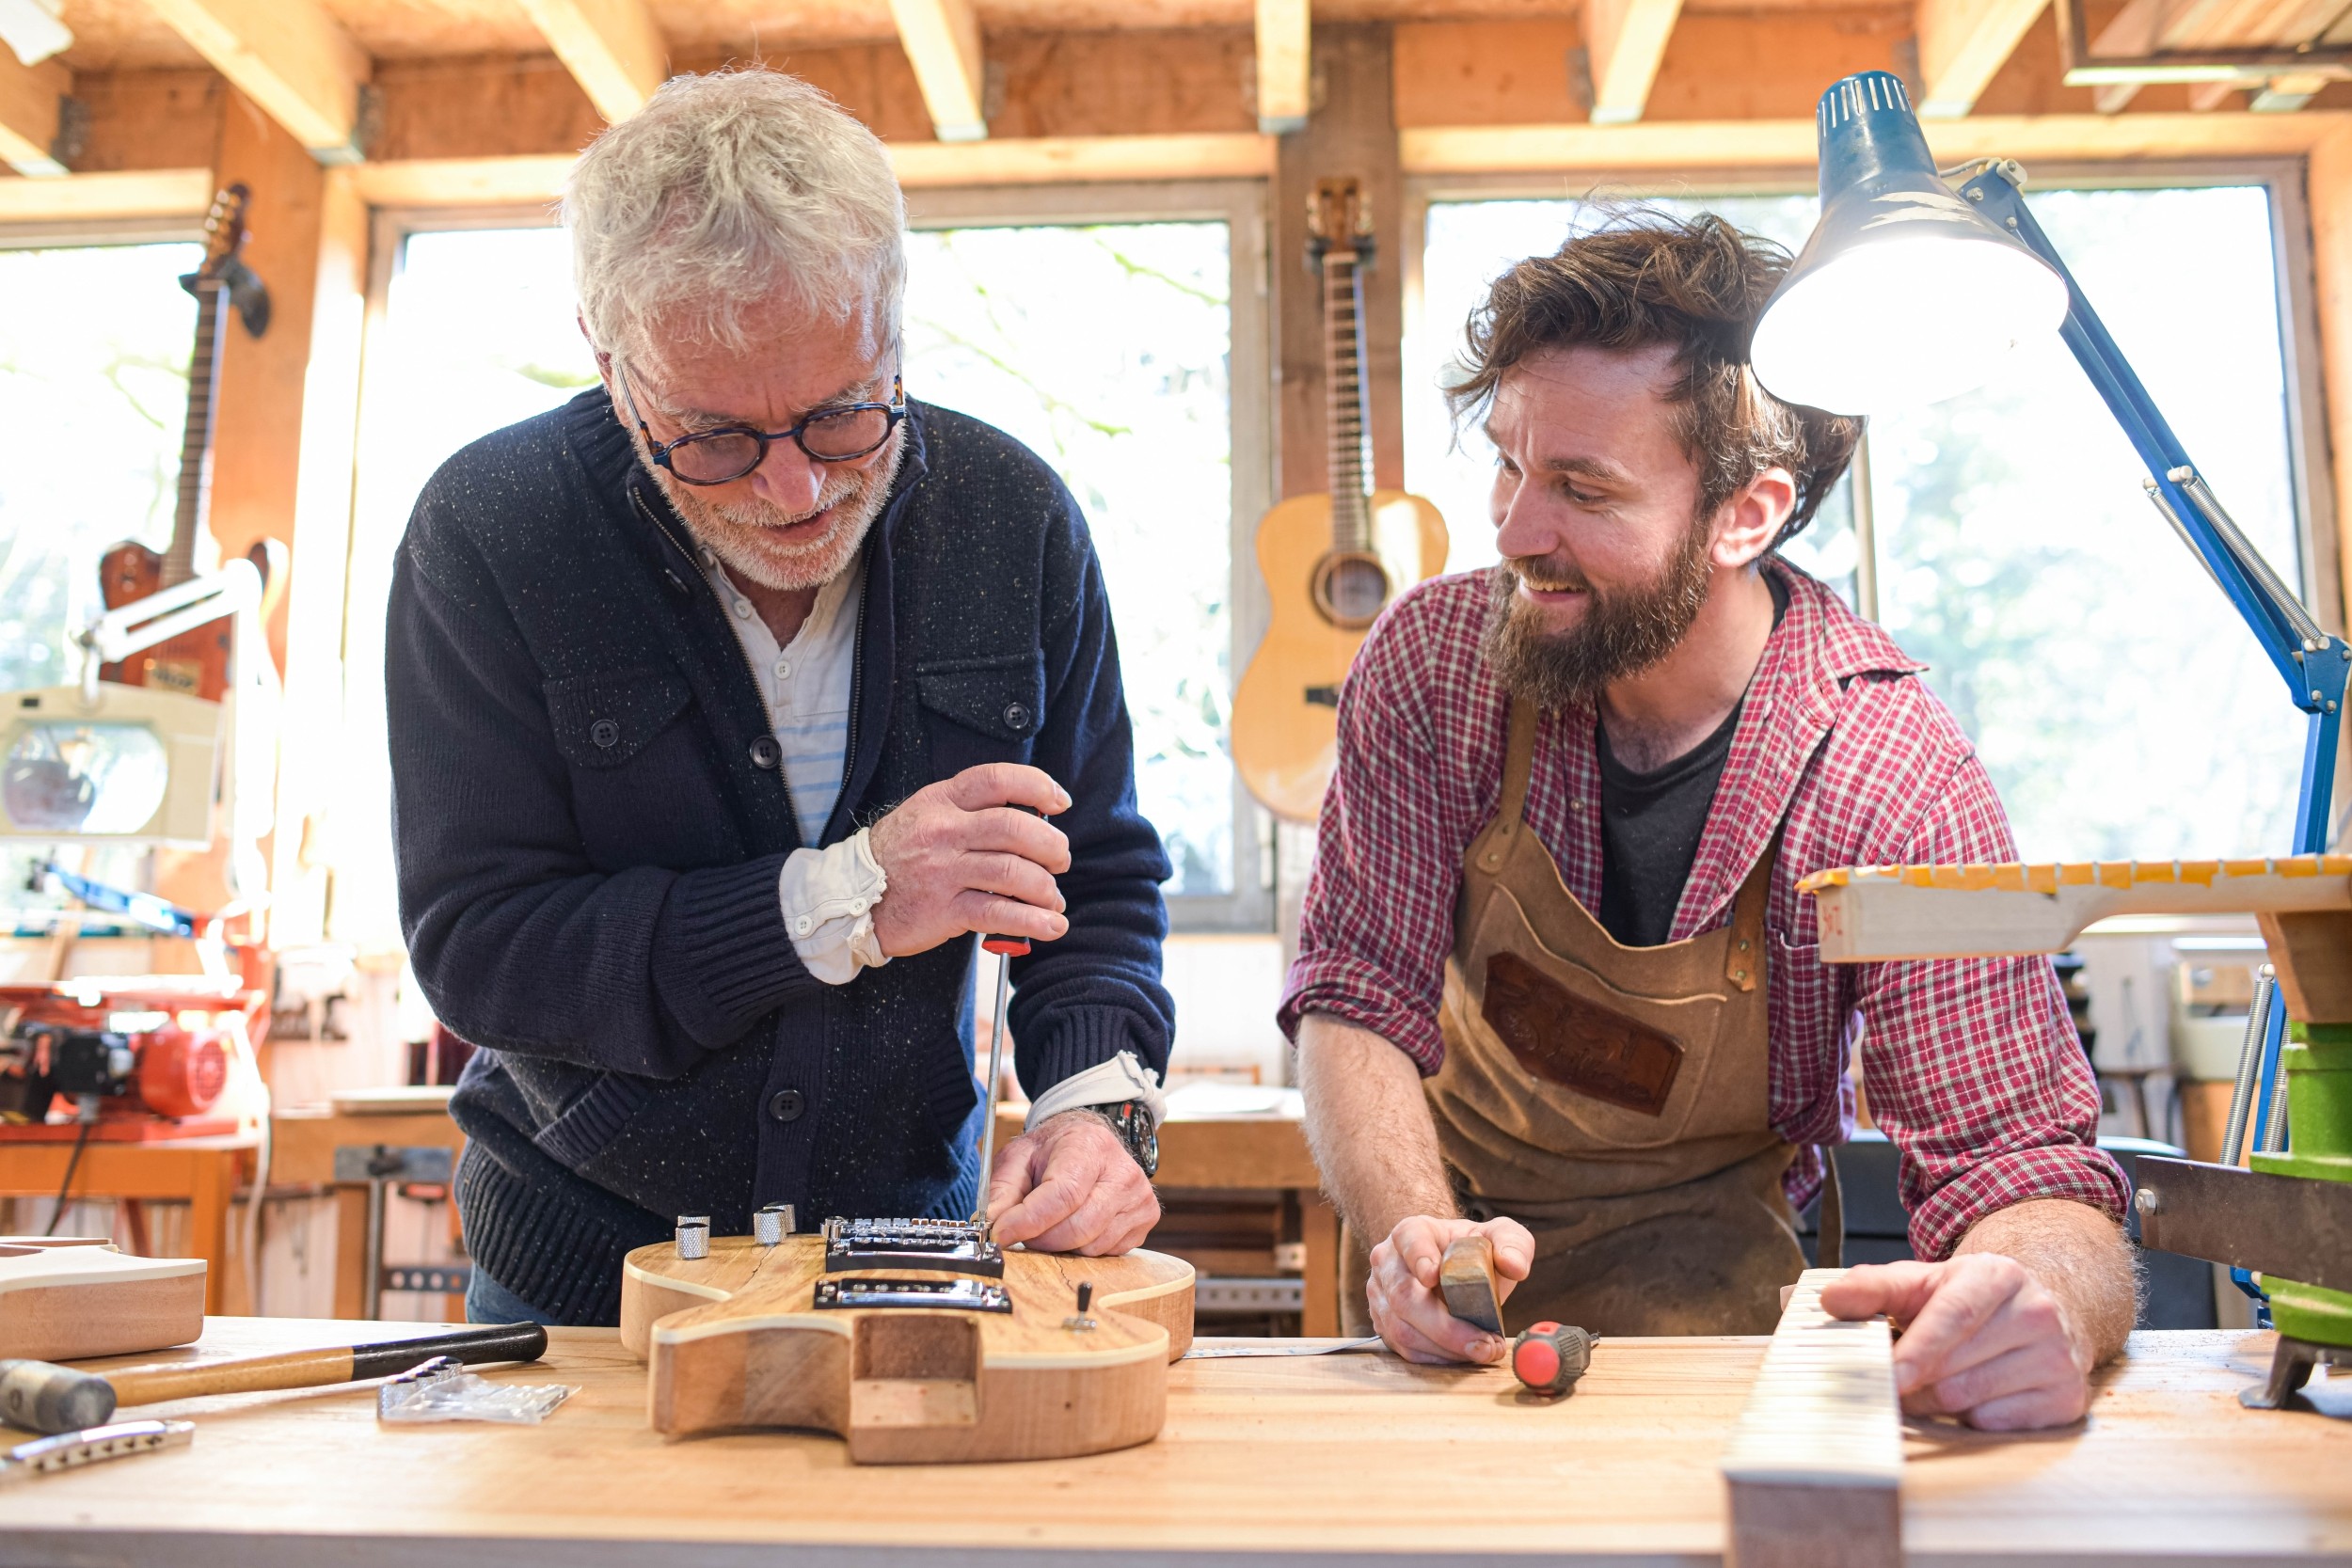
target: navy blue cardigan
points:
(589, 821)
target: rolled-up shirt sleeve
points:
(1973, 1067)
(1378, 917)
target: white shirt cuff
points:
(1113, 1082)
(829, 896)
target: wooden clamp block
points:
(1815, 1467)
(61, 1299)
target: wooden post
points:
(1319, 1228)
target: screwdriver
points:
(1006, 948)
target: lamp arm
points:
(127, 629)
(2285, 629)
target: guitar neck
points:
(1343, 384)
(195, 441)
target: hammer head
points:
(46, 1398)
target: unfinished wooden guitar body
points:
(967, 1354)
(62, 1298)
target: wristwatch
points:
(1133, 1125)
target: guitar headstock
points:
(224, 229)
(1339, 218)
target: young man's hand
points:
(1981, 1339)
(1407, 1308)
(959, 860)
(1070, 1185)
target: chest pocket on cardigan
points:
(604, 720)
(981, 709)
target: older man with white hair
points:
(713, 693)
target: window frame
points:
(2318, 547)
(1240, 204)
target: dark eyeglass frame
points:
(660, 450)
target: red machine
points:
(149, 1054)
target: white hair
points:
(724, 195)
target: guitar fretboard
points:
(195, 441)
(1822, 1411)
(1343, 383)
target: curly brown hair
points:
(1646, 276)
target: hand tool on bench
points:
(47, 1398)
(1465, 1277)
(1548, 1357)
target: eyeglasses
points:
(721, 456)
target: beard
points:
(1623, 632)
(743, 534)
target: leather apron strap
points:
(1830, 1242)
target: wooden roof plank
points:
(1963, 44)
(1627, 39)
(941, 39)
(1285, 66)
(30, 96)
(611, 47)
(289, 57)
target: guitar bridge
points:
(967, 1295)
(950, 1246)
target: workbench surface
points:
(1302, 1460)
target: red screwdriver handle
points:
(1011, 947)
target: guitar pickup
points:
(950, 1246)
(967, 1295)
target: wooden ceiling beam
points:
(1285, 66)
(32, 99)
(1624, 40)
(1963, 44)
(289, 57)
(612, 47)
(941, 39)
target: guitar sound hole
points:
(1350, 590)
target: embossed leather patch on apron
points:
(1576, 1042)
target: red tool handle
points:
(1011, 947)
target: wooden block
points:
(64, 1298)
(1466, 1276)
(2313, 954)
(1815, 1467)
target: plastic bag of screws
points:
(442, 1390)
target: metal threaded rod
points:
(2249, 1060)
(2275, 1126)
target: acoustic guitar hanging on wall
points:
(196, 662)
(1331, 562)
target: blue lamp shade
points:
(1906, 292)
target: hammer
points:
(48, 1398)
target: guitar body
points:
(195, 662)
(737, 1339)
(66, 1298)
(1286, 707)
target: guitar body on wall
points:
(196, 662)
(1331, 562)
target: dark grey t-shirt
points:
(1650, 824)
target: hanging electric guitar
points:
(1331, 562)
(195, 661)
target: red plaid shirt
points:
(1972, 1065)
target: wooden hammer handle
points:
(313, 1369)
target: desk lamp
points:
(1915, 287)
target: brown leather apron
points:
(1613, 1100)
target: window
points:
(93, 375)
(1109, 348)
(2121, 706)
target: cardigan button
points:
(605, 733)
(1017, 717)
(765, 753)
(787, 1105)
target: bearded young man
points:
(1555, 984)
(711, 694)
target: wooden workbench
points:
(203, 1173)
(1306, 1461)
